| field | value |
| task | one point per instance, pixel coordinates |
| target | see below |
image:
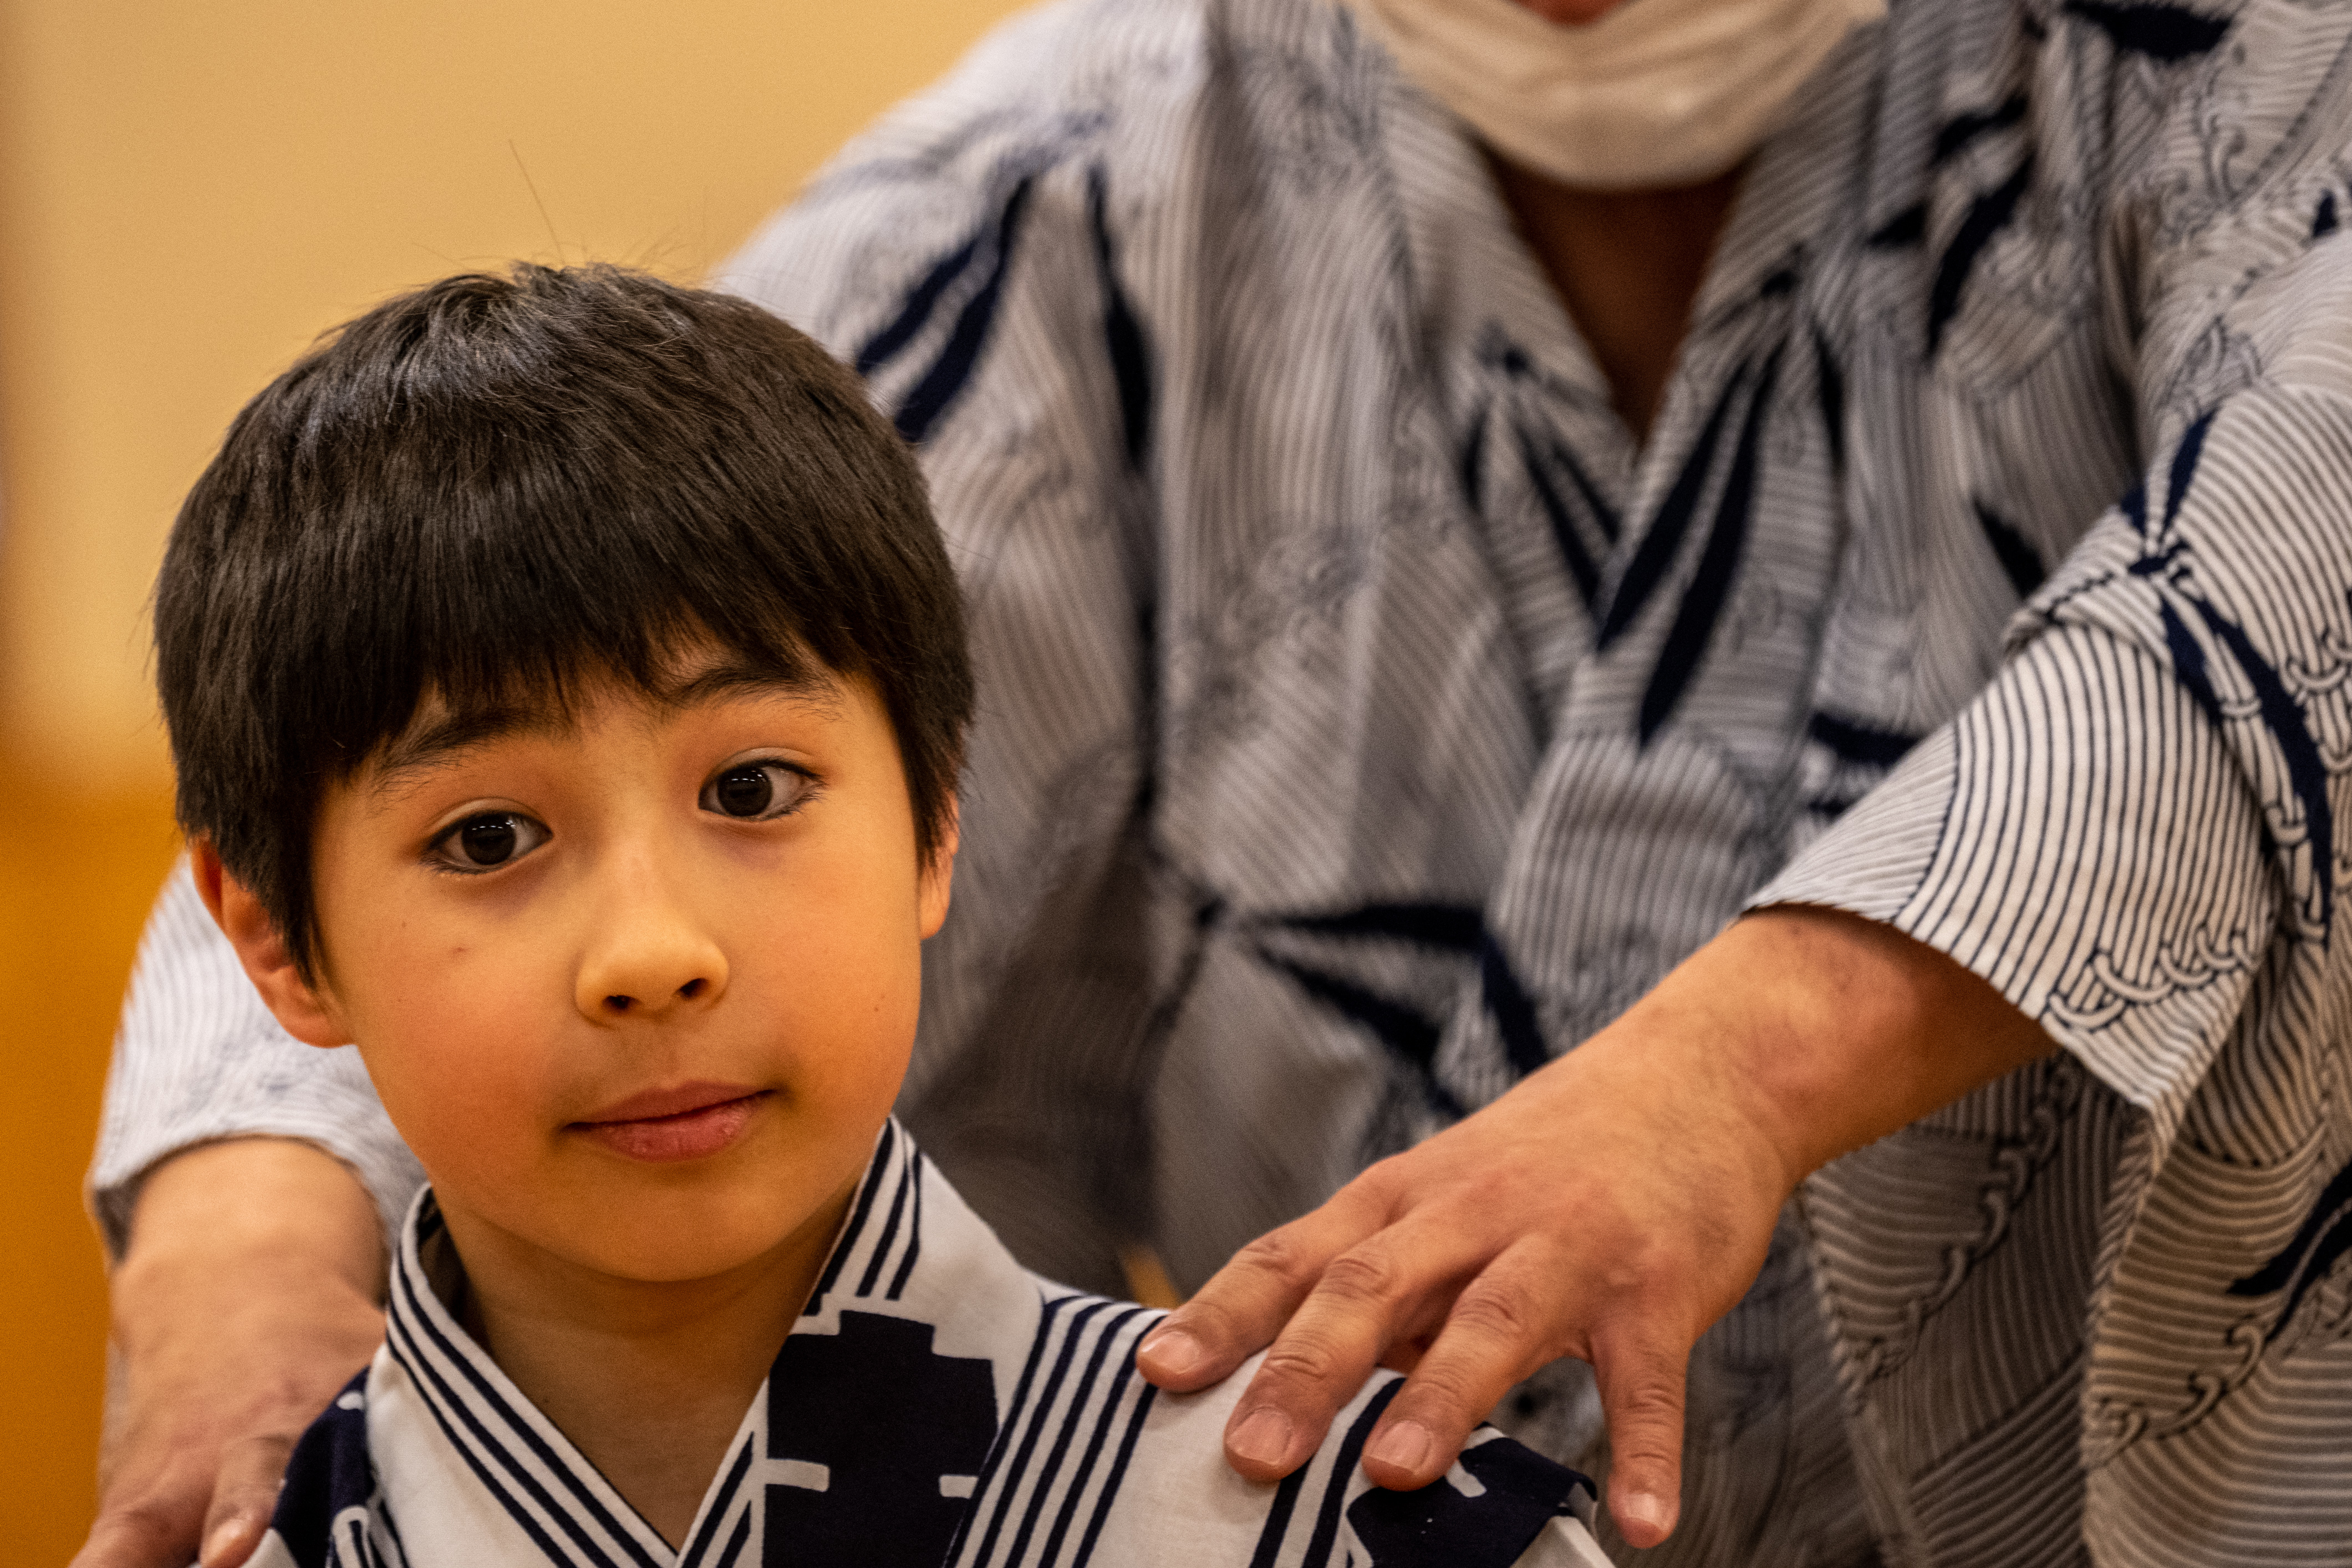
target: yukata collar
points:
(919, 1318)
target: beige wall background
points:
(188, 195)
(188, 192)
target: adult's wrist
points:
(279, 1205)
(246, 1296)
(1843, 1030)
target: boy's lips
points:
(687, 1122)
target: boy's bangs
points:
(538, 633)
(503, 491)
(527, 617)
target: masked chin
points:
(1656, 93)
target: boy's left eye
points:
(755, 791)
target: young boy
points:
(567, 684)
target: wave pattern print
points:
(2156, 883)
(1312, 573)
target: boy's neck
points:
(649, 1380)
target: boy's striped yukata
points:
(936, 1403)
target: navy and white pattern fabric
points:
(935, 1406)
(1367, 716)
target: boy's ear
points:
(939, 877)
(268, 961)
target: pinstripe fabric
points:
(1365, 719)
(198, 1057)
(935, 1404)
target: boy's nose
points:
(649, 958)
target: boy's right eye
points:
(482, 842)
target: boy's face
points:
(638, 989)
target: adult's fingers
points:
(188, 1510)
(1507, 1323)
(244, 1498)
(155, 1529)
(245, 1302)
(174, 1497)
(1237, 1313)
(1642, 1371)
(1503, 1325)
(1388, 1290)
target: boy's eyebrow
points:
(424, 746)
(725, 677)
(429, 744)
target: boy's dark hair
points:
(494, 486)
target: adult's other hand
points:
(246, 1298)
(1610, 1207)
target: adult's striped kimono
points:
(935, 1406)
(1367, 718)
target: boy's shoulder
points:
(1091, 1465)
(1081, 1460)
(1500, 1504)
(937, 1404)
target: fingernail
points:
(1646, 1508)
(1264, 1438)
(1405, 1445)
(1175, 1351)
(218, 1543)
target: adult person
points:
(1433, 564)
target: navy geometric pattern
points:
(895, 1427)
(1521, 1493)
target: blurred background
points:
(188, 195)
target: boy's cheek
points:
(469, 1104)
(482, 1082)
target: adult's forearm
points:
(246, 1295)
(271, 1203)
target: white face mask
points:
(1656, 93)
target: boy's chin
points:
(670, 1249)
(670, 1239)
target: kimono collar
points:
(887, 1396)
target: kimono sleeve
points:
(2131, 831)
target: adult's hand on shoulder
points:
(1610, 1207)
(1588, 1213)
(246, 1299)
